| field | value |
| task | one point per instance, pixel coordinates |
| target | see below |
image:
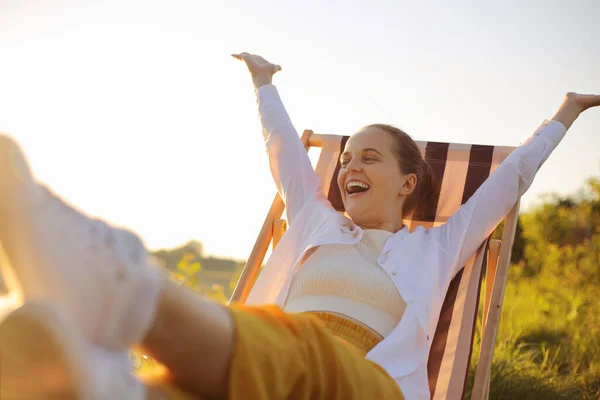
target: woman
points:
(354, 322)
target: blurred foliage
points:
(210, 277)
(548, 343)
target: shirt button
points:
(394, 273)
(427, 337)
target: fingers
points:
(257, 65)
(241, 56)
(584, 101)
(592, 100)
(256, 61)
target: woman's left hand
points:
(262, 71)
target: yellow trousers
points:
(294, 356)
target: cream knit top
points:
(347, 280)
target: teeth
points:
(356, 183)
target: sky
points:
(135, 112)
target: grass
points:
(548, 343)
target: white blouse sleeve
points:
(296, 181)
(464, 232)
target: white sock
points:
(113, 376)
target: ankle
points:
(134, 318)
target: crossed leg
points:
(91, 294)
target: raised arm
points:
(464, 232)
(292, 171)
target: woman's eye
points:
(344, 163)
(370, 159)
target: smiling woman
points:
(345, 308)
(385, 163)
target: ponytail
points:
(424, 193)
(411, 161)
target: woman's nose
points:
(354, 165)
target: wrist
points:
(573, 107)
(568, 112)
(262, 80)
(574, 103)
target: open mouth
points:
(356, 188)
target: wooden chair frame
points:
(499, 253)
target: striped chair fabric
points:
(460, 169)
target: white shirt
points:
(421, 264)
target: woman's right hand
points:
(261, 70)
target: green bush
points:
(548, 343)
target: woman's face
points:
(372, 186)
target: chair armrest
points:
(490, 275)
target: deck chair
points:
(461, 169)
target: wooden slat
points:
(490, 275)
(257, 255)
(484, 366)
